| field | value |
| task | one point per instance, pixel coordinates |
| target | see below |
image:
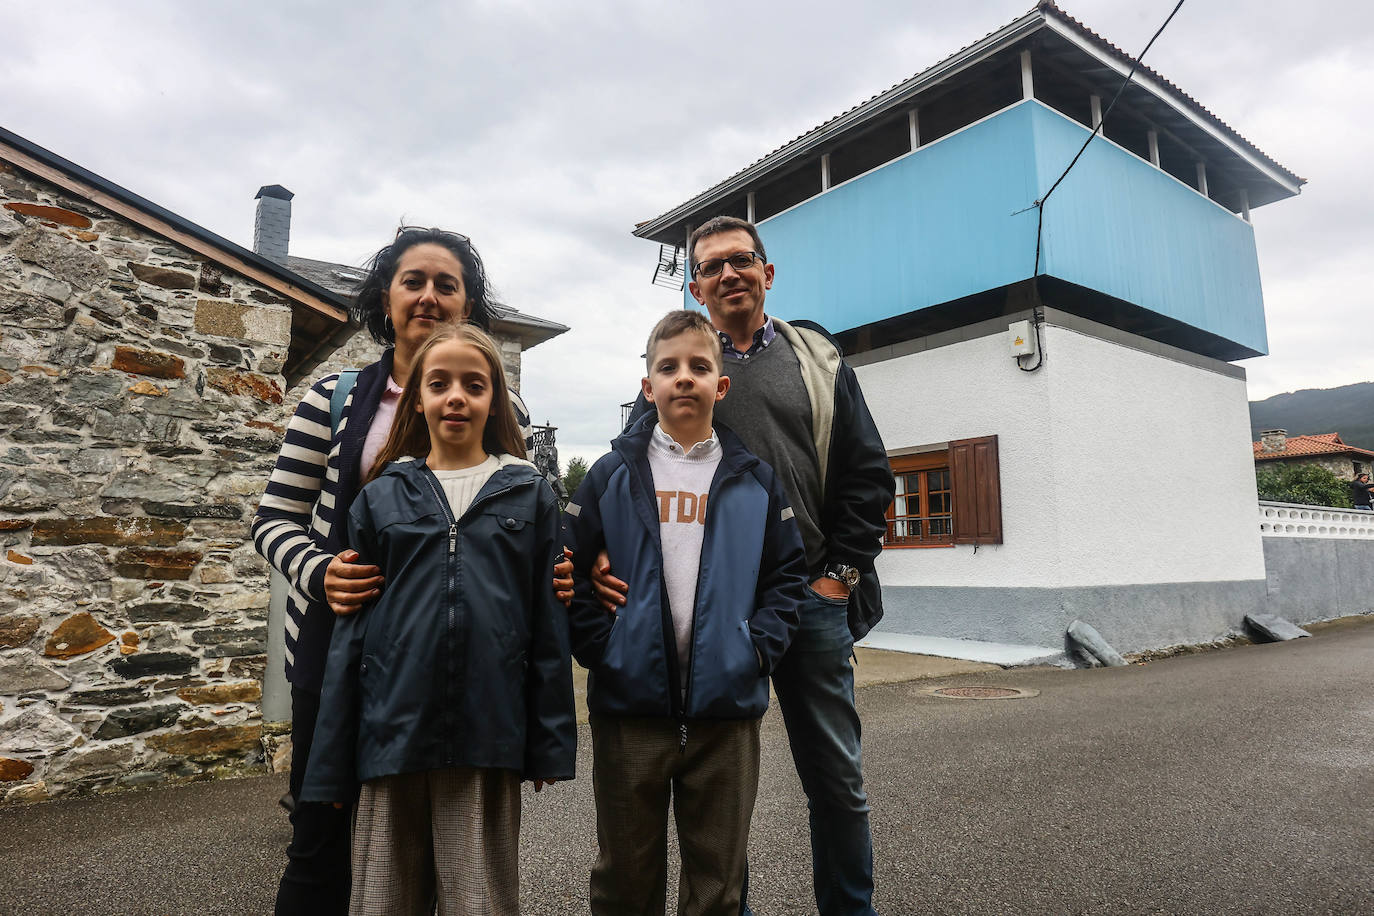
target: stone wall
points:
(135, 377)
(1342, 466)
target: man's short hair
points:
(683, 321)
(716, 225)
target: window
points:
(920, 515)
(952, 496)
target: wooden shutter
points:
(977, 491)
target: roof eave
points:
(77, 180)
(1209, 124)
(893, 98)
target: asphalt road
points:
(1234, 781)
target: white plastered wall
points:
(1118, 466)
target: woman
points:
(424, 277)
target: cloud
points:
(547, 130)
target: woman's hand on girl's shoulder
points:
(348, 585)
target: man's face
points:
(731, 297)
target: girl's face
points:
(426, 289)
(455, 398)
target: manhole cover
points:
(979, 692)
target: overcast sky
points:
(545, 130)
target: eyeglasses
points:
(434, 229)
(742, 261)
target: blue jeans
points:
(815, 687)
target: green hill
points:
(1348, 410)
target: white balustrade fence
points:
(1290, 520)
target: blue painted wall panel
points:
(943, 223)
(1118, 225)
(930, 227)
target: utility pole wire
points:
(1040, 204)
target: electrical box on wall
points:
(1021, 336)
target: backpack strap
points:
(347, 379)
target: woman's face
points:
(426, 289)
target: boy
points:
(678, 678)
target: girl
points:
(457, 682)
(422, 278)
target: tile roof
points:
(1043, 7)
(1305, 446)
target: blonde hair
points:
(409, 436)
(683, 321)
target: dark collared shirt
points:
(762, 338)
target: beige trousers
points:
(451, 834)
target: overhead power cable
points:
(1040, 204)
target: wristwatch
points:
(849, 575)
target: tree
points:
(1308, 484)
(577, 469)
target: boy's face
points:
(684, 380)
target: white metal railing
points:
(1290, 520)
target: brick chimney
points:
(272, 224)
(1273, 440)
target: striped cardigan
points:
(315, 479)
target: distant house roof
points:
(343, 279)
(317, 311)
(1106, 61)
(1309, 446)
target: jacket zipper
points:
(452, 603)
(730, 475)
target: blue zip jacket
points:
(463, 661)
(749, 588)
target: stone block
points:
(36, 730)
(233, 649)
(85, 764)
(77, 635)
(113, 532)
(161, 276)
(124, 722)
(142, 563)
(198, 510)
(167, 612)
(248, 384)
(12, 770)
(209, 742)
(95, 461)
(52, 214)
(17, 630)
(22, 672)
(244, 322)
(219, 694)
(223, 353)
(145, 664)
(253, 667)
(16, 557)
(149, 363)
(88, 564)
(147, 388)
(22, 310)
(64, 259)
(28, 793)
(105, 696)
(216, 575)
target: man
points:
(798, 406)
(1359, 491)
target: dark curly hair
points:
(369, 299)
